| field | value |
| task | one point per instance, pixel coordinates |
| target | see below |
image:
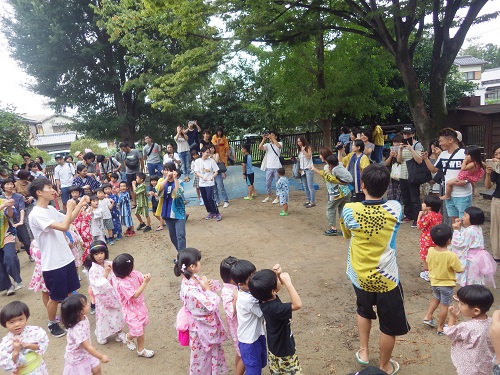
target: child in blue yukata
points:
(282, 191)
(125, 209)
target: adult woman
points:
(183, 149)
(21, 186)
(39, 160)
(206, 169)
(355, 162)
(410, 193)
(206, 141)
(369, 146)
(219, 180)
(306, 174)
(221, 145)
(493, 177)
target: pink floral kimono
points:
(207, 332)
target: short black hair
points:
(241, 271)
(80, 167)
(89, 156)
(114, 175)
(476, 215)
(246, 147)
(154, 178)
(450, 133)
(123, 265)
(37, 185)
(204, 149)
(26, 154)
(433, 202)
(345, 130)
(13, 310)
(105, 185)
(39, 158)
(123, 182)
(71, 309)
(94, 198)
(6, 181)
(225, 268)
(359, 143)
(185, 258)
(332, 160)
(75, 188)
(170, 166)
(441, 234)
(476, 296)
(141, 175)
(375, 179)
(99, 158)
(397, 138)
(262, 283)
(98, 247)
(281, 171)
(23, 174)
(100, 188)
(34, 164)
(123, 144)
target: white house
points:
(488, 81)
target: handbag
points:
(417, 173)
(296, 168)
(222, 167)
(183, 322)
(396, 171)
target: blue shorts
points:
(455, 206)
(254, 356)
(65, 194)
(443, 293)
(61, 281)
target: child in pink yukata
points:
(81, 357)
(130, 285)
(207, 332)
(37, 283)
(229, 295)
(471, 349)
(108, 310)
(22, 348)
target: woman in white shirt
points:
(206, 169)
(183, 149)
(306, 174)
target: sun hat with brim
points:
(409, 130)
(78, 153)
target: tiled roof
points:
(468, 60)
(54, 139)
(482, 109)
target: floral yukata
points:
(82, 225)
(108, 310)
(207, 332)
(135, 312)
(37, 282)
(27, 359)
(77, 360)
(227, 296)
(425, 225)
(125, 210)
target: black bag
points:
(417, 173)
(222, 167)
(439, 176)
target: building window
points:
(468, 75)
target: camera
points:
(265, 132)
(339, 147)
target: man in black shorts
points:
(372, 226)
(58, 263)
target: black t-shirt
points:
(205, 144)
(192, 137)
(495, 177)
(278, 316)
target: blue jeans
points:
(219, 186)
(155, 168)
(307, 180)
(177, 232)
(65, 194)
(123, 176)
(9, 266)
(185, 159)
(455, 206)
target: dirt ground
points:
(324, 329)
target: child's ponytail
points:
(186, 258)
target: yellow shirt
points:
(378, 136)
(442, 267)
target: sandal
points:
(130, 343)
(395, 367)
(358, 358)
(159, 228)
(146, 353)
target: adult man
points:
(18, 219)
(107, 165)
(372, 267)
(450, 162)
(27, 161)
(132, 159)
(64, 173)
(273, 152)
(58, 263)
(89, 161)
(152, 154)
(9, 262)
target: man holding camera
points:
(272, 161)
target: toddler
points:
(443, 264)
(142, 204)
(125, 210)
(471, 348)
(22, 348)
(130, 285)
(471, 171)
(229, 295)
(248, 174)
(282, 191)
(113, 181)
(80, 357)
(264, 286)
(468, 244)
(427, 218)
(96, 224)
(106, 204)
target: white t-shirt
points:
(168, 159)
(250, 318)
(206, 168)
(65, 174)
(54, 248)
(453, 170)
(104, 206)
(182, 144)
(273, 160)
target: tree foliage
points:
(14, 133)
(488, 52)
(34, 152)
(86, 143)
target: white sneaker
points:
(18, 285)
(276, 201)
(266, 199)
(425, 275)
(201, 202)
(11, 290)
(226, 205)
(102, 342)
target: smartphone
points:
(406, 141)
(395, 149)
(493, 164)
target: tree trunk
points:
(326, 125)
(325, 118)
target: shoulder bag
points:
(439, 176)
(281, 159)
(417, 173)
(296, 168)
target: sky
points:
(13, 80)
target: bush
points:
(34, 152)
(83, 143)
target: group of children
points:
(249, 298)
(117, 289)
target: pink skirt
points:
(82, 368)
(481, 268)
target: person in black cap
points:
(410, 193)
(64, 174)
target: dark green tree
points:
(488, 52)
(14, 133)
